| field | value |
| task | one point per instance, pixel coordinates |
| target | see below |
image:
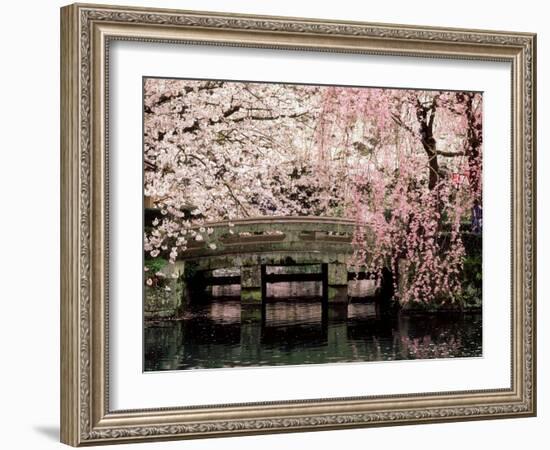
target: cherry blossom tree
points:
(411, 146)
(405, 164)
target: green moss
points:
(155, 265)
(251, 295)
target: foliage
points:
(153, 269)
(155, 265)
(472, 281)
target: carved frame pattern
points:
(86, 418)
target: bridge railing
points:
(272, 234)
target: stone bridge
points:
(253, 245)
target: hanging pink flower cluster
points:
(408, 203)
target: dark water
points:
(219, 334)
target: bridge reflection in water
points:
(222, 333)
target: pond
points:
(219, 334)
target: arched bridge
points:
(252, 245)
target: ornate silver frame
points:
(86, 31)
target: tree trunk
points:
(425, 123)
(433, 164)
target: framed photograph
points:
(279, 224)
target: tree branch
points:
(399, 122)
(280, 116)
(235, 198)
(450, 154)
(432, 112)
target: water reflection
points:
(222, 334)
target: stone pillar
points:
(251, 284)
(336, 312)
(337, 283)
